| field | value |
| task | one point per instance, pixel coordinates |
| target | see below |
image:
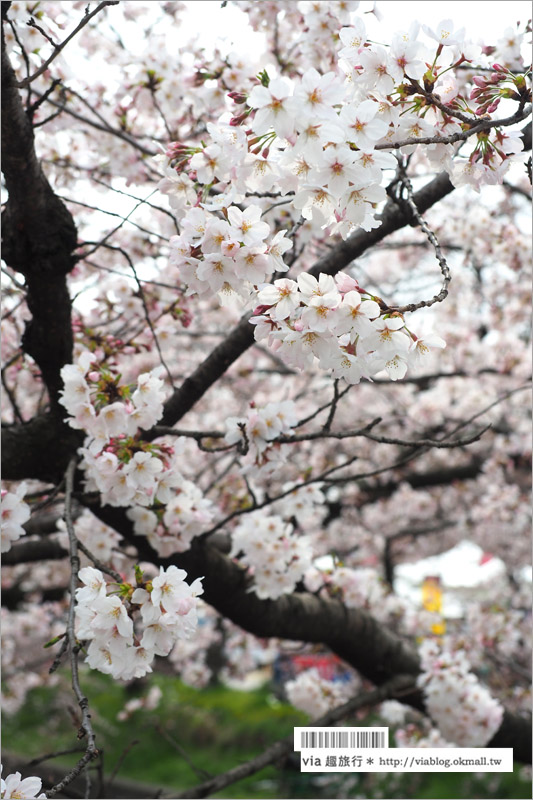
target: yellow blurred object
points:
(432, 601)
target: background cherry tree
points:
(265, 337)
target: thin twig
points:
(329, 421)
(56, 754)
(123, 252)
(111, 214)
(126, 137)
(98, 564)
(323, 434)
(202, 773)
(120, 761)
(445, 270)
(59, 47)
(86, 728)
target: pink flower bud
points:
(345, 283)
(480, 81)
(174, 149)
(238, 97)
(238, 120)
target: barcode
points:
(342, 739)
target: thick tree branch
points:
(39, 237)
(39, 449)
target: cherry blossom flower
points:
(336, 168)
(111, 613)
(210, 163)
(14, 514)
(317, 94)
(354, 315)
(421, 347)
(283, 294)
(314, 200)
(444, 33)
(353, 39)
(377, 69)
(95, 585)
(364, 129)
(275, 109)
(170, 590)
(404, 61)
(246, 226)
(14, 787)
(387, 337)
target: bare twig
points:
(126, 255)
(120, 761)
(56, 754)
(202, 773)
(59, 47)
(86, 728)
(112, 214)
(324, 434)
(329, 421)
(98, 564)
(445, 270)
(107, 128)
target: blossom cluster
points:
(226, 256)
(256, 434)
(171, 528)
(119, 465)
(411, 736)
(315, 695)
(15, 512)
(14, 787)
(277, 558)
(339, 324)
(316, 135)
(128, 626)
(462, 708)
(127, 471)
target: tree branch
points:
(39, 238)
(59, 47)
(86, 728)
